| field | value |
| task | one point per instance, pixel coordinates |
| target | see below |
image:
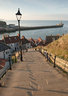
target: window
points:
(7, 52)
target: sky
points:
(34, 9)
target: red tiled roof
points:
(1, 59)
(23, 37)
(24, 40)
(2, 63)
(32, 40)
(39, 39)
(12, 39)
(1, 41)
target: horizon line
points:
(34, 20)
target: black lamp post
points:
(10, 62)
(18, 16)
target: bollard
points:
(54, 61)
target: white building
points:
(5, 51)
(13, 42)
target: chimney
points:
(23, 37)
(3, 37)
(18, 34)
(39, 39)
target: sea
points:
(35, 34)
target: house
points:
(12, 41)
(51, 38)
(25, 43)
(5, 51)
(33, 42)
(39, 42)
(11, 25)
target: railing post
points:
(54, 61)
(10, 62)
(47, 56)
(15, 59)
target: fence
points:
(4, 69)
(57, 62)
(9, 63)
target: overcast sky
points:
(34, 9)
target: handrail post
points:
(15, 59)
(47, 56)
(10, 62)
(54, 61)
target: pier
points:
(34, 77)
(42, 27)
(22, 28)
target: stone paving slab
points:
(34, 77)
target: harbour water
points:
(39, 32)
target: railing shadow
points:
(58, 91)
(30, 89)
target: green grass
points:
(59, 47)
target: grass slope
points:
(59, 47)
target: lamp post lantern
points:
(18, 16)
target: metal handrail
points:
(56, 61)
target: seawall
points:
(14, 29)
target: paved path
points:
(34, 77)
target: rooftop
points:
(3, 47)
(24, 40)
(12, 39)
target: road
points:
(34, 77)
